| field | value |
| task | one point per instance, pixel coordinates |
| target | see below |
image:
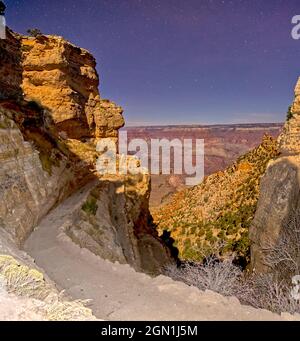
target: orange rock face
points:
(63, 78)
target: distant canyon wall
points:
(223, 145)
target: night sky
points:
(180, 61)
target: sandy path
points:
(117, 291)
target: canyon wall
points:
(279, 201)
(51, 117)
(27, 191)
(224, 144)
(115, 223)
(63, 78)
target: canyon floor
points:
(116, 291)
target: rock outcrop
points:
(48, 134)
(289, 140)
(114, 223)
(27, 191)
(62, 78)
(279, 200)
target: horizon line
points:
(200, 125)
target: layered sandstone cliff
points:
(48, 131)
(27, 191)
(279, 201)
(62, 78)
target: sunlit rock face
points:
(63, 78)
(290, 138)
(51, 119)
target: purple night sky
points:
(181, 61)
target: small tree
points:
(289, 113)
(34, 32)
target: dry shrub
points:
(272, 294)
(22, 281)
(222, 277)
(283, 256)
(271, 291)
(62, 310)
(225, 278)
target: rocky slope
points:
(290, 138)
(220, 209)
(114, 223)
(28, 191)
(48, 150)
(279, 202)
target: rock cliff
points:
(28, 191)
(279, 201)
(62, 78)
(289, 140)
(114, 223)
(51, 117)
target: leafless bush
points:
(22, 280)
(272, 294)
(266, 291)
(222, 277)
(216, 273)
(225, 278)
(283, 255)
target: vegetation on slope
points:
(90, 206)
(219, 210)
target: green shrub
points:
(46, 163)
(90, 206)
(33, 105)
(289, 113)
(34, 32)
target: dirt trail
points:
(117, 291)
